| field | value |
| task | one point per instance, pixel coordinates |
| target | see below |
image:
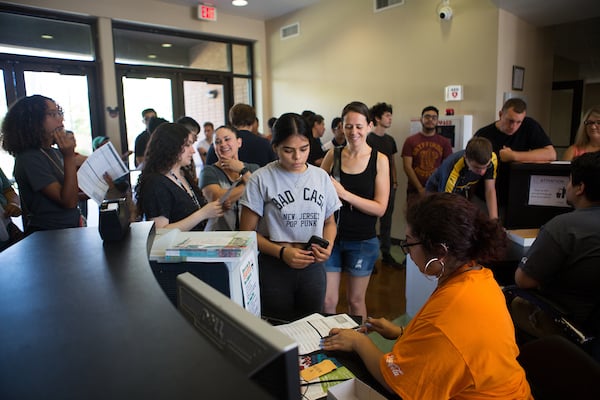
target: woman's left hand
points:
(321, 253)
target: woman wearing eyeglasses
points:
(588, 135)
(461, 344)
(46, 175)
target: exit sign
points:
(207, 13)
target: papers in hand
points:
(90, 176)
(308, 331)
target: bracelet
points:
(281, 252)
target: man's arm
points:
(547, 153)
(543, 261)
(393, 172)
(490, 198)
(411, 174)
(524, 281)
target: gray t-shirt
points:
(214, 175)
(292, 206)
(565, 260)
(34, 170)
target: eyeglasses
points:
(405, 246)
(590, 122)
(58, 113)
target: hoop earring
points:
(434, 259)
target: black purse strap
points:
(337, 163)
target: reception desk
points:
(85, 319)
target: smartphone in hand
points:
(317, 240)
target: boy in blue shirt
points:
(461, 171)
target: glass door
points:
(140, 93)
(71, 93)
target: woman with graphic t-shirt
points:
(287, 201)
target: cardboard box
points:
(353, 389)
(523, 237)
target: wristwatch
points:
(244, 170)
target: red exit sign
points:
(207, 13)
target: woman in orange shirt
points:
(461, 344)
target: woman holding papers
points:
(287, 202)
(164, 193)
(45, 163)
(461, 344)
(226, 179)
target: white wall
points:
(522, 44)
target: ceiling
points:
(536, 12)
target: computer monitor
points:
(536, 194)
(266, 355)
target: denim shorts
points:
(357, 257)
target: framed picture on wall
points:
(518, 76)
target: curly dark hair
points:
(23, 125)
(162, 152)
(452, 220)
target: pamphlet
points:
(90, 176)
(308, 331)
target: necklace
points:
(188, 189)
(58, 167)
(465, 268)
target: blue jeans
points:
(357, 257)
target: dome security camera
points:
(445, 12)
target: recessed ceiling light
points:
(166, 45)
(151, 55)
(47, 37)
(239, 3)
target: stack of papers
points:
(309, 331)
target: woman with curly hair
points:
(46, 175)
(461, 344)
(164, 193)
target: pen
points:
(356, 328)
(327, 381)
